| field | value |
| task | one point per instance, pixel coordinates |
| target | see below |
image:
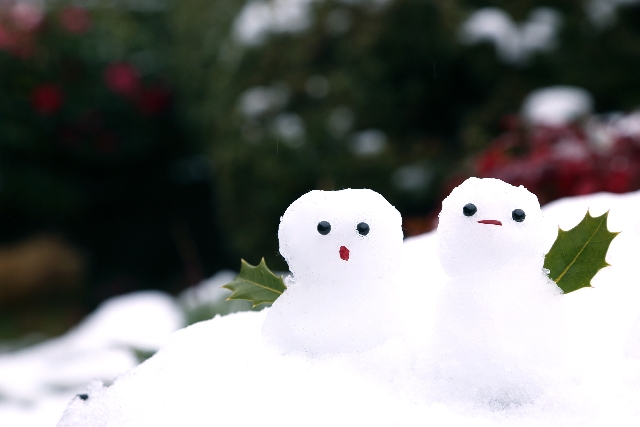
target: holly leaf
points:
(578, 254)
(256, 284)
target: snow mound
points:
(222, 371)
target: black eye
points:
(363, 228)
(469, 209)
(324, 228)
(518, 215)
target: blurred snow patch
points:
(340, 121)
(602, 13)
(412, 177)
(368, 142)
(317, 86)
(370, 5)
(515, 43)
(604, 130)
(629, 125)
(45, 376)
(259, 18)
(258, 100)
(290, 128)
(556, 105)
(209, 298)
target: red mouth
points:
(344, 253)
(490, 221)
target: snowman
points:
(497, 336)
(342, 248)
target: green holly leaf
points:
(256, 284)
(578, 254)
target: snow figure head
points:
(487, 224)
(331, 237)
(342, 248)
(497, 332)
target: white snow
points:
(632, 345)
(41, 378)
(515, 43)
(222, 371)
(556, 105)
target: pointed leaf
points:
(256, 284)
(578, 254)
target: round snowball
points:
(483, 226)
(361, 220)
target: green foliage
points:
(399, 68)
(256, 283)
(92, 147)
(578, 254)
(83, 94)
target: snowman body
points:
(342, 248)
(498, 332)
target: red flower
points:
(122, 78)
(47, 99)
(75, 19)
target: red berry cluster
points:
(600, 154)
(124, 79)
(23, 24)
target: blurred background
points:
(148, 144)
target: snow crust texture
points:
(337, 297)
(479, 341)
